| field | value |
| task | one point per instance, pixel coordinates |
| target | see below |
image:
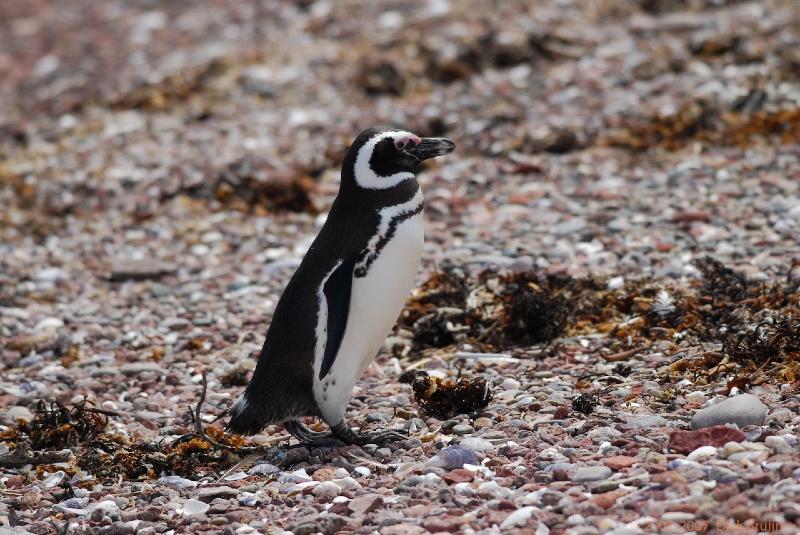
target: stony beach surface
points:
(612, 253)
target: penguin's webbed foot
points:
(306, 436)
(346, 434)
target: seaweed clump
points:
(584, 403)
(57, 426)
(445, 398)
(531, 313)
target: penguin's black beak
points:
(431, 147)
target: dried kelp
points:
(531, 313)
(749, 322)
(445, 398)
(584, 403)
(57, 426)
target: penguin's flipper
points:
(337, 294)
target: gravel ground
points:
(612, 249)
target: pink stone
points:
(365, 504)
(618, 462)
(608, 499)
(718, 436)
(15, 482)
(459, 475)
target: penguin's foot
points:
(318, 439)
(347, 435)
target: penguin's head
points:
(382, 158)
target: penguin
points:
(345, 296)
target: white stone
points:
(327, 488)
(696, 397)
(476, 444)
(16, 413)
(194, 507)
(702, 453)
(518, 518)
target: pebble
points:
(194, 507)
(463, 429)
(327, 490)
(365, 504)
(476, 444)
(510, 384)
(618, 462)
(363, 471)
(742, 410)
(453, 457)
(647, 421)
(518, 518)
(591, 473)
(696, 397)
(264, 469)
(481, 423)
(17, 412)
(176, 482)
(702, 453)
(779, 444)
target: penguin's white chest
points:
(375, 302)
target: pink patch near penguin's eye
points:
(403, 141)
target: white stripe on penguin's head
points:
(365, 174)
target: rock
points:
(194, 507)
(402, 529)
(365, 504)
(135, 368)
(222, 491)
(482, 422)
(462, 429)
(702, 453)
(326, 524)
(15, 481)
(742, 410)
(263, 469)
(510, 384)
(51, 275)
(722, 475)
(324, 474)
(647, 421)
(122, 270)
(618, 462)
(327, 490)
(443, 523)
(591, 473)
(399, 401)
(476, 444)
(779, 444)
(453, 457)
(608, 499)
(241, 516)
(16, 413)
(718, 436)
(176, 482)
(696, 397)
(459, 475)
(518, 518)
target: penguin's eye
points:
(400, 144)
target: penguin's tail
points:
(246, 417)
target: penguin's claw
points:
(306, 436)
(382, 437)
(344, 433)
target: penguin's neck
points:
(378, 199)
